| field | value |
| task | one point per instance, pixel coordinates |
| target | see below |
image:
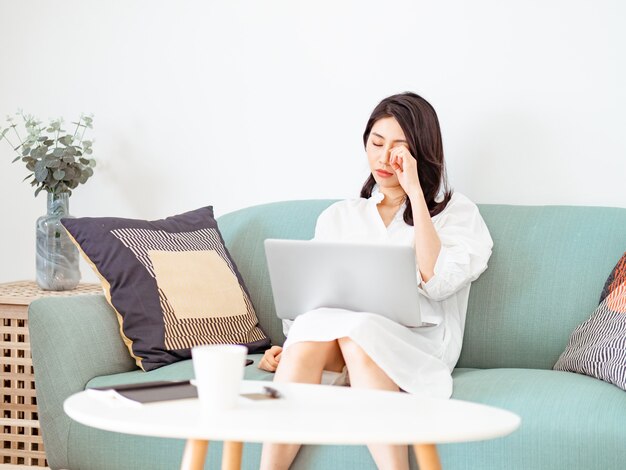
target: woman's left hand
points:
(405, 167)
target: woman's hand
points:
(270, 359)
(405, 167)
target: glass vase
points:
(57, 257)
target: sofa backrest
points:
(545, 276)
(244, 232)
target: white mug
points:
(219, 371)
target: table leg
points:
(427, 457)
(231, 455)
(194, 455)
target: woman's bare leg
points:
(364, 373)
(304, 363)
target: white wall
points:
(236, 103)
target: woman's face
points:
(386, 134)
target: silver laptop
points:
(306, 275)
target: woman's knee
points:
(311, 352)
(353, 353)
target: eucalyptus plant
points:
(58, 161)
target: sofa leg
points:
(427, 457)
(194, 455)
(231, 455)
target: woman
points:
(405, 200)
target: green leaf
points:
(42, 139)
(58, 175)
(84, 161)
(92, 163)
(88, 151)
(26, 151)
(68, 159)
(58, 152)
(38, 190)
(16, 159)
(41, 172)
(40, 152)
(30, 166)
(48, 142)
(53, 162)
(66, 140)
(55, 125)
(27, 177)
(89, 171)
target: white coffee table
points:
(307, 414)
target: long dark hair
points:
(420, 125)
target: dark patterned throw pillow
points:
(171, 282)
(597, 347)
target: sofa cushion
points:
(564, 415)
(171, 282)
(569, 421)
(597, 346)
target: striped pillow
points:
(171, 282)
(597, 347)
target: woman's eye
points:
(376, 145)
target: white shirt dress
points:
(418, 360)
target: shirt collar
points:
(377, 197)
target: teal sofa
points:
(548, 268)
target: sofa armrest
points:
(73, 339)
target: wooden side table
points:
(21, 442)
